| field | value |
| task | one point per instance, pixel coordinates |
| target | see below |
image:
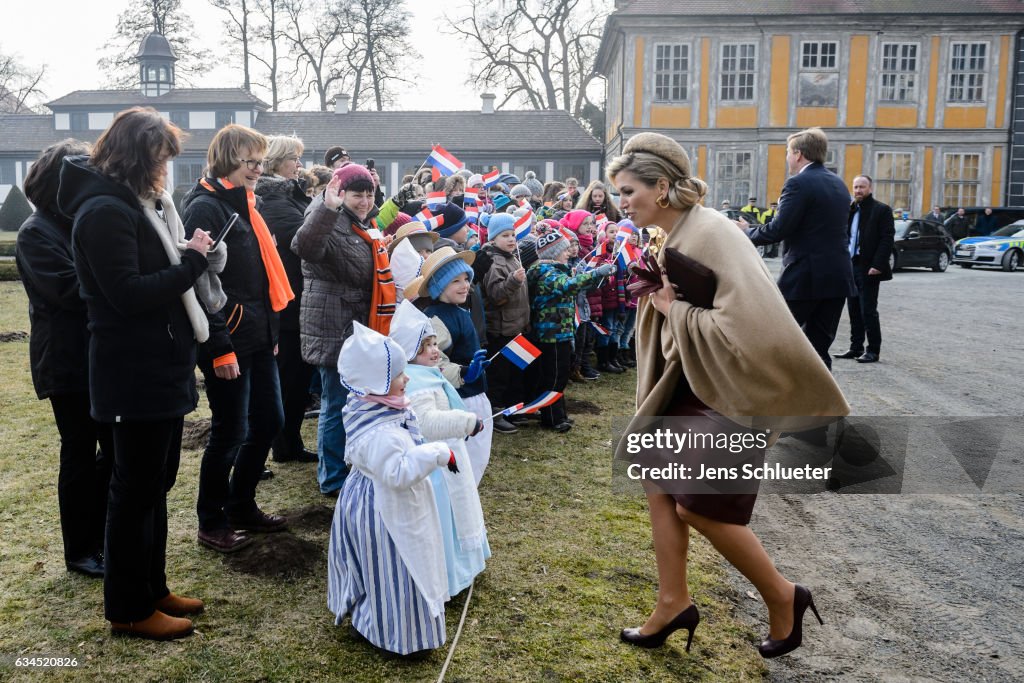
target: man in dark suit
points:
(812, 218)
(871, 235)
(870, 242)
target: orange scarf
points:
(280, 290)
(384, 298)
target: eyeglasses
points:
(293, 157)
(252, 164)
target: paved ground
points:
(914, 587)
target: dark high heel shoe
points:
(776, 648)
(688, 619)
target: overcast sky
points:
(68, 37)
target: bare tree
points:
(315, 37)
(19, 85)
(237, 25)
(135, 23)
(268, 34)
(541, 53)
(380, 29)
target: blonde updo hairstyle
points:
(279, 148)
(652, 156)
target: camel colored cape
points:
(746, 356)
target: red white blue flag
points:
(435, 200)
(443, 160)
(520, 352)
(491, 178)
(428, 219)
(511, 410)
(470, 197)
(600, 328)
(624, 233)
(472, 212)
(600, 219)
(542, 401)
(522, 226)
(628, 254)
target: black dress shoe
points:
(868, 358)
(289, 455)
(266, 474)
(776, 648)
(259, 522)
(223, 540)
(849, 354)
(503, 426)
(688, 619)
(90, 565)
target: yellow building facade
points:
(919, 101)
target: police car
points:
(1004, 249)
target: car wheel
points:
(941, 262)
(894, 264)
(1011, 260)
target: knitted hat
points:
(350, 173)
(369, 361)
(399, 220)
(536, 187)
(474, 180)
(454, 219)
(551, 244)
(574, 219)
(416, 233)
(405, 265)
(499, 223)
(444, 275)
(528, 251)
(333, 154)
(432, 265)
(520, 191)
(409, 327)
(500, 201)
(509, 179)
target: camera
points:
(369, 163)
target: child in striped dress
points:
(386, 564)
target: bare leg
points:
(743, 550)
(671, 542)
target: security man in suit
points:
(871, 235)
(814, 207)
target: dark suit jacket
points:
(876, 233)
(812, 218)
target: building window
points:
(8, 173)
(818, 84)
(733, 176)
(832, 161)
(224, 118)
(962, 180)
(79, 120)
(519, 168)
(570, 169)
(899, 72)
(671, 73)
(738, 69)
(187, 173)
(967, 72)
(893, 178)
(180, 118)
(164, 75)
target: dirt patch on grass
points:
(310, 518)
(13, 336)
(195, 434)
(575, 405)
(280, 555)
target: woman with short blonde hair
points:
(233, 140)
(284, 156)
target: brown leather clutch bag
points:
(694, 280)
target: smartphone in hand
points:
(224, 231)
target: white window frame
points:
(819, 67)
(959, 182)
(739, 197)
(737, 73)
(905, 80)
(687, 73)
(885, 187)
(974, 79)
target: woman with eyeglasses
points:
(238, 361)
(282, 189)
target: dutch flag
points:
(430, 220)
(511, 410)
(624, 233)
(628, 254)
(600, 328)
(491, 178)
(522, 226)
(600, 219)
(472, 212)
(435, 200)
(443, 160)
(520, 352)
(542, 401)
(471, 197)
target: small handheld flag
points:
(430, 220)
(520, 352)
(600, 328)
(472, 212)
(600, 219)
(511, 410)
(624, 233)
(435, 200)
(522, 226)
(443, 160)
(470, 197)
(491, 178)
(543, 401)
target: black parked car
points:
(921, 243)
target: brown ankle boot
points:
(179, 605)
(157, 626)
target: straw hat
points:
(437, 259)
(412, 228)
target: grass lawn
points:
(572, 564)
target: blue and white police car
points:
(1002, 249)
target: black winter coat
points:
(247, 323)
(284, 204)
(58, 348)
(142, 349)
(875, 234)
